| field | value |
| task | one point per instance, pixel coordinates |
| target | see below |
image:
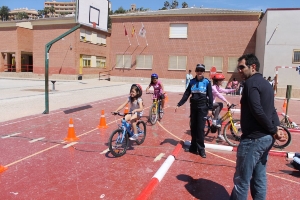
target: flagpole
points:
(126, 34)
(135, 34)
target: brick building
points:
(176, 40)
(85, 51)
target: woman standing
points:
(201, 103)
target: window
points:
(85, 35)
(100, 62)
(86, 61)
(178, 30)
(213, 61)
(296, 56)
(232, 63)
(123, 61)
(177, 62)
(144, 61)
(101, 39)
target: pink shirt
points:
(157, 88)
(217, 92)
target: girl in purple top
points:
(217, 92)
(158, 89)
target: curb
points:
(159, 175)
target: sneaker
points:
(134, 137)
(221, 137)
(216, 123)
(161, 111)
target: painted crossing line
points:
(158, 157)
(37, 139)
(68, 145)
(105, 151)
(7, 136)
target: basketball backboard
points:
(92, 13)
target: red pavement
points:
(46, 170)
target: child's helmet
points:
(140, 89)
(218, 77)
(154, 76)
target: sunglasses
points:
(200, 70)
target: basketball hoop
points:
(94, 24)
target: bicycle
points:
(232, 132)
(287, 122)
(155, 111)
(119, 138)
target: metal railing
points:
(104, 75)
(9, 68)
(27, 68)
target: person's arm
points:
(226, 90)
(162, 88)
(147, 89)
(122, 106)
(185, 96)
(210, 96)
(219, 95)
(141, 106)
(258, 112)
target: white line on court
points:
(105, 151)
(68, 145)
(35, 140)
(158, 157)
(7, 136)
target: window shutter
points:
(178, 31)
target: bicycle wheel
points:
(231, 134)
(160, 110)
(153, 114)
(287, 135)
(141, 127)
(116, 145)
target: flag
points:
(125, 30)
(133, 31)
(142, 31)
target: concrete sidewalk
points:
(24, 97)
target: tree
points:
(166, 5)
(4, 12)
(184, 5)
(174, 4)
(120, 10)
(46, 11)
(21, 15)
(52, 10)
(41, 13)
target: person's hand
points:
(209, 114)
(228, 103)
(176, 108)
(280, 135)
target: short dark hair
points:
(190, 70)
(250, 60)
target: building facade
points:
(32, 13)
(170, 42)
(278, 48)
(61, 8)
(83, 52)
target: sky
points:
(157, 4)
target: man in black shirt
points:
(260, 128)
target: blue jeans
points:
(252, 155)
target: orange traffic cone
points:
(2, 168)
(102, 123)
(71, 132)
(126, 110)
(166, 97)
(284, 106)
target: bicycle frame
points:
(226, 116)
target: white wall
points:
(279, 50)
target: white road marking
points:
(7, 136)
(35, 140)
(105, 151)
(68, 145)
(158, 157)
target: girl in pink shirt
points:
(158, 89)
(217, 92)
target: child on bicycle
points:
(217, 92)
(158, 89)
(136, 108)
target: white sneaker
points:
(221, 137)
(134, 137)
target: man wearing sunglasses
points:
(260, 127)
(201, 104)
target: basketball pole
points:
(47, 49)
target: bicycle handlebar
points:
(120, 114)
(231, 106)
(149, 93)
